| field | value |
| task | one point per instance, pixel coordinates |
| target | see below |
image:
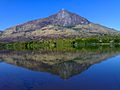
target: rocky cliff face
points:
(62, 18)
(61, 24)
(66, 18)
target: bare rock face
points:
(66, 18)
(62, 18)
(62, 24)
(1, 32)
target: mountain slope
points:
(60, 25)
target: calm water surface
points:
(80, 70)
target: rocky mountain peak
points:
(62, 18)
(66, 18)
(63, 14)
(63, 11)
(62, 24)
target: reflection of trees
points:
(63, 64)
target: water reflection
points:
(62, 63)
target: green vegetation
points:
(63, 44)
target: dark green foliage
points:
(63, 44)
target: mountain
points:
(63, 24)
(1, 32)
(63, 64)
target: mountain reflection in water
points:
(61, 63)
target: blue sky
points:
(105, 12)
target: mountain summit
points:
(63, 24)
(62, 18)
(66, 18)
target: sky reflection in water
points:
(91, 70)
